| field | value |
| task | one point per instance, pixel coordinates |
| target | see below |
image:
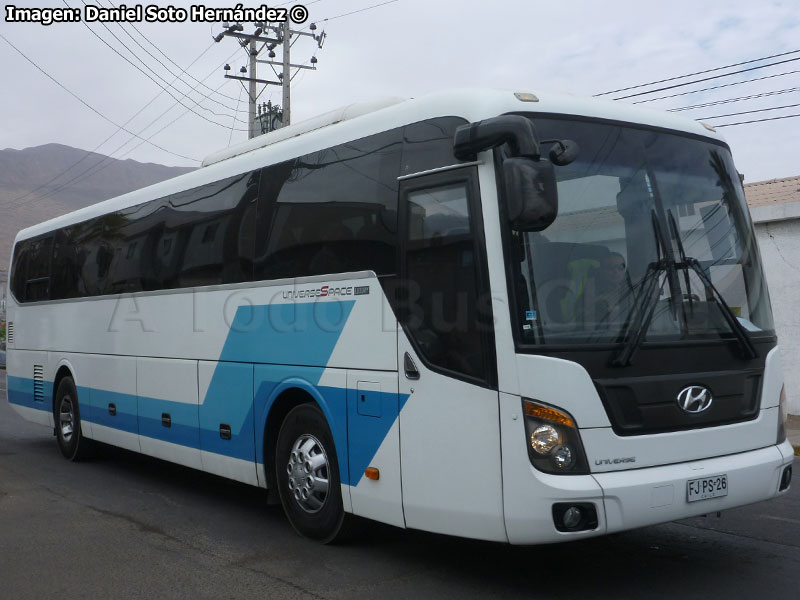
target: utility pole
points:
(283, 35)
(287, 76)
(253, 93)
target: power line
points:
(89, 106)
(108, 158)
(347, 14)
(746, 62)
(757, 121)
(747, 112)
(169, 70)
(230, 137)
(716, 87)
(106, 161)
(137, 67)
(145, 38)
(677, 85)
(143, 140)
(88, 153)
(739, 99)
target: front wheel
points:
(68, 422)
(307, 472)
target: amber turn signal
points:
(372, 473)
(547, 413)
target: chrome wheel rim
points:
(66, 418)
(308, 470)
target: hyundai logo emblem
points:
(694, 399)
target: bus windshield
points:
(640, 208)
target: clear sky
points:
(405, 48)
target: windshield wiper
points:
(748, 349)
(639, 320)
(641, 313)
(644, 308)
(676, 234)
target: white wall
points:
(779, 241)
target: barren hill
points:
(43, 182)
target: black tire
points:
(67, 417)
(318, 516)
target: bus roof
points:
(363, 119)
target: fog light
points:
(572, 517)
(786, 479)
(544, 439)
(563, 457)
(569, 517)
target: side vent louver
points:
(38, 383)
(10, 333)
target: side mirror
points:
(531, 194)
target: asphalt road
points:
(125, 525)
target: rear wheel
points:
(68, 422)
(307, 473)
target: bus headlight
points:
(554, 445)
(783, 414)
(544, 438)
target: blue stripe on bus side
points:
(126, 418)
(301, 333)
(229, 400)
(183, 429)
(286, 334)
(20, 392)
(366, 435)
(304, 333)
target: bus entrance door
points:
(449, 423)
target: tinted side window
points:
(331, 211)
(96, 253)
(203, 236)
(19, 270)
(65, 281)
(442, 280)
(37, 285)
(429, 144)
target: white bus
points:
(504, 316)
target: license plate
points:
(706, 487)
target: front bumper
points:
(640, 497)
(656, 495)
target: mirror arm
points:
(515, 130)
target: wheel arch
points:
(282, 404)
(63, 370)
(284, 397)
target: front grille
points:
(643, 405)
(38, 383)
